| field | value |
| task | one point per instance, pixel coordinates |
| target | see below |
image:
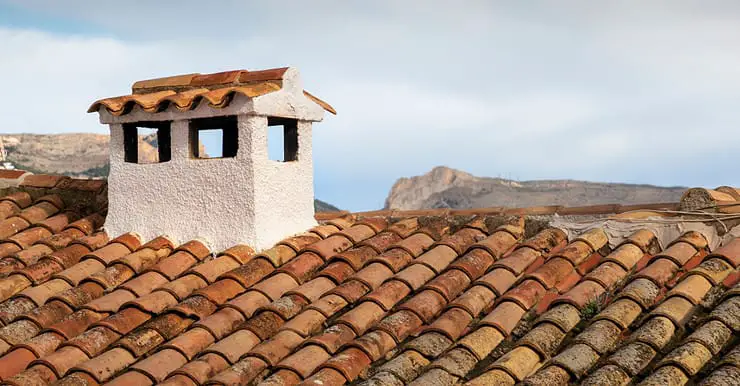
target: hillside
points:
(321, 206)
(444, 187)
(71, 154)
(78, 155)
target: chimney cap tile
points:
(185, 91)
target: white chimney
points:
(238, 196)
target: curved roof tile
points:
(186, 91)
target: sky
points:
(613, 91)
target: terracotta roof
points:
(593, 210)
(478, 299)
(186, 92)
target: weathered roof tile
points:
(333, 307)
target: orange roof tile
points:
(420, 300)
(185, 92)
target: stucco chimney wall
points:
(248, 199)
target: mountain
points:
(79, 155)
(71, 154)
(321, 206)
(444, 187)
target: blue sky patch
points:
(18, 17)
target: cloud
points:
(627, 92)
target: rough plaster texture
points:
(731, 235)
(617, 231)
(248, 199)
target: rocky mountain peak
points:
(444, 187)
(407, 193)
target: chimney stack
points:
(162, 182)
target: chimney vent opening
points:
(214, 138)
(282, 139)
(147, 142)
